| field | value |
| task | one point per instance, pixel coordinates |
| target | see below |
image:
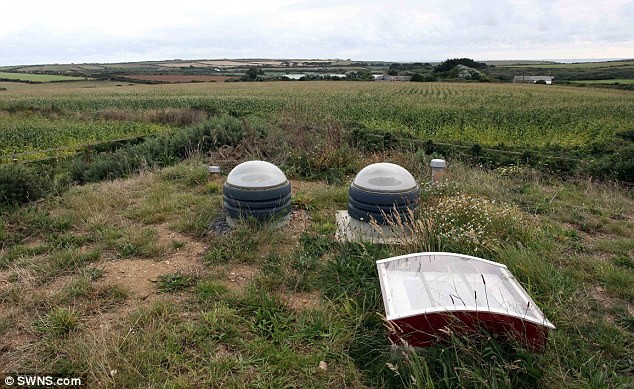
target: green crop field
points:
(37, 77)
(494, 115)
(28, 134)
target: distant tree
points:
(452, 63)
(418, 77)
(362, 75)
(252, 74)
(365, 75)
(501, 77)
(408, 66)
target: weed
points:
(137, 243)
(188, 175)
(209, 292)
(624, 261)
(21, 251)
(171, 283)
(213, 188)
(68, 240)
(79, 288)
(470, 224)
(241, 244)
(197, 215)
(303, 201)
(307, 261)
(352, 273)
(69, 260)
(222, 323)
(58, 322)
(177, 244)
(271, 319)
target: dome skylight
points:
(256, 175)
(385, 178)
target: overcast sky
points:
(65, 31)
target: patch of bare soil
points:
(191, 246)
(300, 222)
(302, 300)
(138, 276)
(238, 277)
(5, 284)
(18, 335)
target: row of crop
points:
(21, 182)
(21, 134)
(212, 104)
(511, 116)
(605, 161)
(518, 128)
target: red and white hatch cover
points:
(427, 293)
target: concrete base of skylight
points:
(275, 223)
(353, 230)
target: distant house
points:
(385, 77)
(534, 79)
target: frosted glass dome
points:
(256, 175)
(384, 177)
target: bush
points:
(161, 151)
(418, 77)
(21, 184)
(618, 165)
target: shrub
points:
(161, 151)
(21, 184)
(418, 77)
(473, 224)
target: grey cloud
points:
(401, 30)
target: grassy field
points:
(494, 115)
(134, 283)
(568, 72)
(37, 77)
(117, 266)
(620, 81)
(580, 65)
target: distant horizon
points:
(557, 60)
